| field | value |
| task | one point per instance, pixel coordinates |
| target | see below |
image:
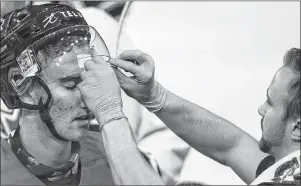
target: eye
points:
(70, 88)
(70, 85)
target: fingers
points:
(81, 85)
(89, 65)
(123, 79)
(86, 74)
(135, 55)
(129, 67)
(98, 64)
(101, 59)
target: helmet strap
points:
(43, 109)
(44, 113)
(45, 117)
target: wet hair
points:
(291, 60)
(55, 49)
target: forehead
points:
(68, 64)
(278, 89)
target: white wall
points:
(220, 55)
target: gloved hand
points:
(101, 91)
(142, 85)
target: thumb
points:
(99, 59)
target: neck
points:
(285, 150)
(40, 143)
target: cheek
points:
(64, 108)
(272, 121)
(61, 110)
(268, 121)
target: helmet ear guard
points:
(14, 101)
(40, 105)
(18, 79)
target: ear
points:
(296, 130)
(31, 95)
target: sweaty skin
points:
(66, 106)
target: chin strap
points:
(44, 114)
(44, 111)
(43, 108)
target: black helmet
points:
(31, 32)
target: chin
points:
(74, 137)
(264, 145)
(74, 132)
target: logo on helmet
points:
(52, 18)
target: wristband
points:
(117, 116)
(158, 101)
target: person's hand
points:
(142, 85)
(101, 91)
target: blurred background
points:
(219, 55)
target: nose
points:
(80, 99)
(261, 110)
(83, 104)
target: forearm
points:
(200, 128)
(127, 164)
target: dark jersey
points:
(93, 167)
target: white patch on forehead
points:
(82, 58)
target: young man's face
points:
(273, 111)
(70, 115)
